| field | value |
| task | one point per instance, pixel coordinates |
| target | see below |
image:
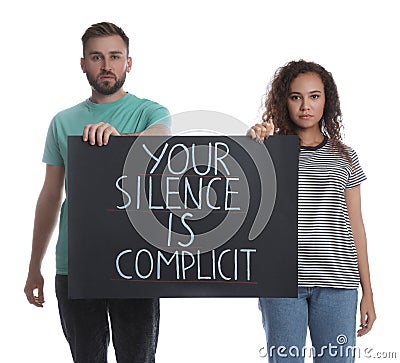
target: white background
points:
(210, 55)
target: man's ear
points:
(129, 65)
(83, 66)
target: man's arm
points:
(154, 130)
(100, 133)
(47, 209)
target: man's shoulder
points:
(72, 110)
(142, 102)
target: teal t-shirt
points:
(129, 114)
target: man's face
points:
(105, 63)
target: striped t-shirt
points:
(327, 256)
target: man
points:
(110, 111)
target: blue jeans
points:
(330, 315)
(134, 324)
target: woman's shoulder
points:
(344, 146)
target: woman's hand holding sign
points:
(262, 131)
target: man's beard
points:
(106, 88)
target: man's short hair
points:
(104, 29)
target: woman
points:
(332, 251)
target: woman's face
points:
(306, 101)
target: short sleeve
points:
(357, 175)
(51, 154)
(159, 115)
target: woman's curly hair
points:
(275, 106)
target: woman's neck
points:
(310, 138)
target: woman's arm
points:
(367, 309)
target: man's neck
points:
(99, 98)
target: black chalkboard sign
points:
(183, 216)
